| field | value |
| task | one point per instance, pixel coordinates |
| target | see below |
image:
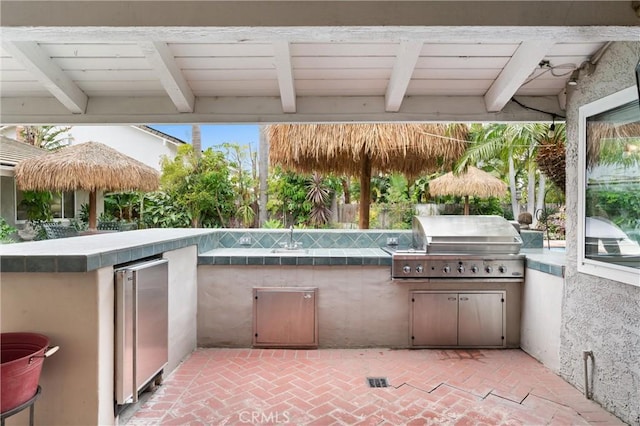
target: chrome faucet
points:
(291, 245)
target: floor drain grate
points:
(377, 382)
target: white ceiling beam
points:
(42, 67)
(162, 61)
(264, 13)
(518, 69)
(282, 56)
(434, 34)
(320, 109)
(405, 63)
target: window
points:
(609, 235)
(62, 205)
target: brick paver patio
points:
(329, 387)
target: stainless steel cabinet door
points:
(285, 317)
(480, 321)
(434, 319)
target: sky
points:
(215, 134)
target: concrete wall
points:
(600, 315)
(541, 315)
(357, 306)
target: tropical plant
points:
(6, 231)
(511, 149)
(288, 197)
(319, 195)
(46, 137)
(201, 186)
(272, 224)
(551, 158)
(162, 211)
(244, 178)
(122, 205)
(84, 213)
(37, 205)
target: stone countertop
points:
(87, 253)
(90, 252)
(316, 257)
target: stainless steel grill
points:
(456, 247)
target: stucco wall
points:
(541, 317)
(599, 314)
(357, 306)
(128, 140)
(183, 304)
(7, 200)
(75, 310)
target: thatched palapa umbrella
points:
(359, 149)
(474, 182)
(89, 166)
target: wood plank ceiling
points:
(74, 73)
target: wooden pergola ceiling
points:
(242, 61)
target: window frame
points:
(64, 218)
(597, 268)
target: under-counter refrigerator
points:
(141, 347)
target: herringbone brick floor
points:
(329, 387)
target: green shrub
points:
(6, 231)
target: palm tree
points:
(46, 137)
(510, 148)
(196, 140)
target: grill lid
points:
(465, 235)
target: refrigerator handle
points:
(134, 310)
(120, 333)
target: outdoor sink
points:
(290, 251)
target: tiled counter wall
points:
(310, 238)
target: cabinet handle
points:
(307, 296)
(464, 298)
(451, 298)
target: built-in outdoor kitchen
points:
(452, 281)
(244, 288)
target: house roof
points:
(300, 61)
(13, 151)
(163, 135)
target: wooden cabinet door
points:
(434, 319)
(481, 319)
(285, 317)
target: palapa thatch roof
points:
(411, 149)
(601, 133)
(475, 182)
(88, 166)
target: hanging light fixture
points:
(552, 128)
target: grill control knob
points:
(446, 269)
(406, 269)
(488, 269)
(461, 269)
(419, 269)
(474, 269)
(502, 269)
